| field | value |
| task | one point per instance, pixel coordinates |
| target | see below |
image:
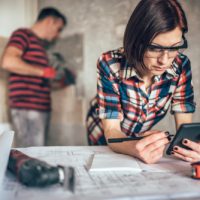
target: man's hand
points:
(151, 148)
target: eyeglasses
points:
(156, 51)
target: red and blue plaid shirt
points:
(122, 95)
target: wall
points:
(15, 14)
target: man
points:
(26, 59)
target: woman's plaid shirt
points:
(121, 94)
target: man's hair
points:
(52, 12)
(150, 18)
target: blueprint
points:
(169, 179)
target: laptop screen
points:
(6, 139)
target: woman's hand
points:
(151, 148)
(192, 155)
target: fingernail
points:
(169, 138)
(175, 148)
(167, 133)
(185, 141)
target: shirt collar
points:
(128, 72)
(173, 71)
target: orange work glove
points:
(49, 72)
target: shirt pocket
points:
(161, 104)
(132, 108)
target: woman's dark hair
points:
(53, 12)
(150, 18)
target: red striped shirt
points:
(29, 92)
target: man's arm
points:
(12, 62)
(181, 118)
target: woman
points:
(138, 83)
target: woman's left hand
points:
(192, 155)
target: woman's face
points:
(158, 62)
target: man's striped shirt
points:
(29, 92)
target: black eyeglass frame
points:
(173, 48)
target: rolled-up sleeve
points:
(183, 98)
(108, 96)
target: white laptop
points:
(6, 139)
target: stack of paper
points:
(113, 162)
(120, 162)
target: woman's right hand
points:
(151, 148)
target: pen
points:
(115, 140)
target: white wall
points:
(15, 14)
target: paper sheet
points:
(102, 185)
(119, 162)
(113, 162)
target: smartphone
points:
(190, 131)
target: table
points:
(169, 179)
